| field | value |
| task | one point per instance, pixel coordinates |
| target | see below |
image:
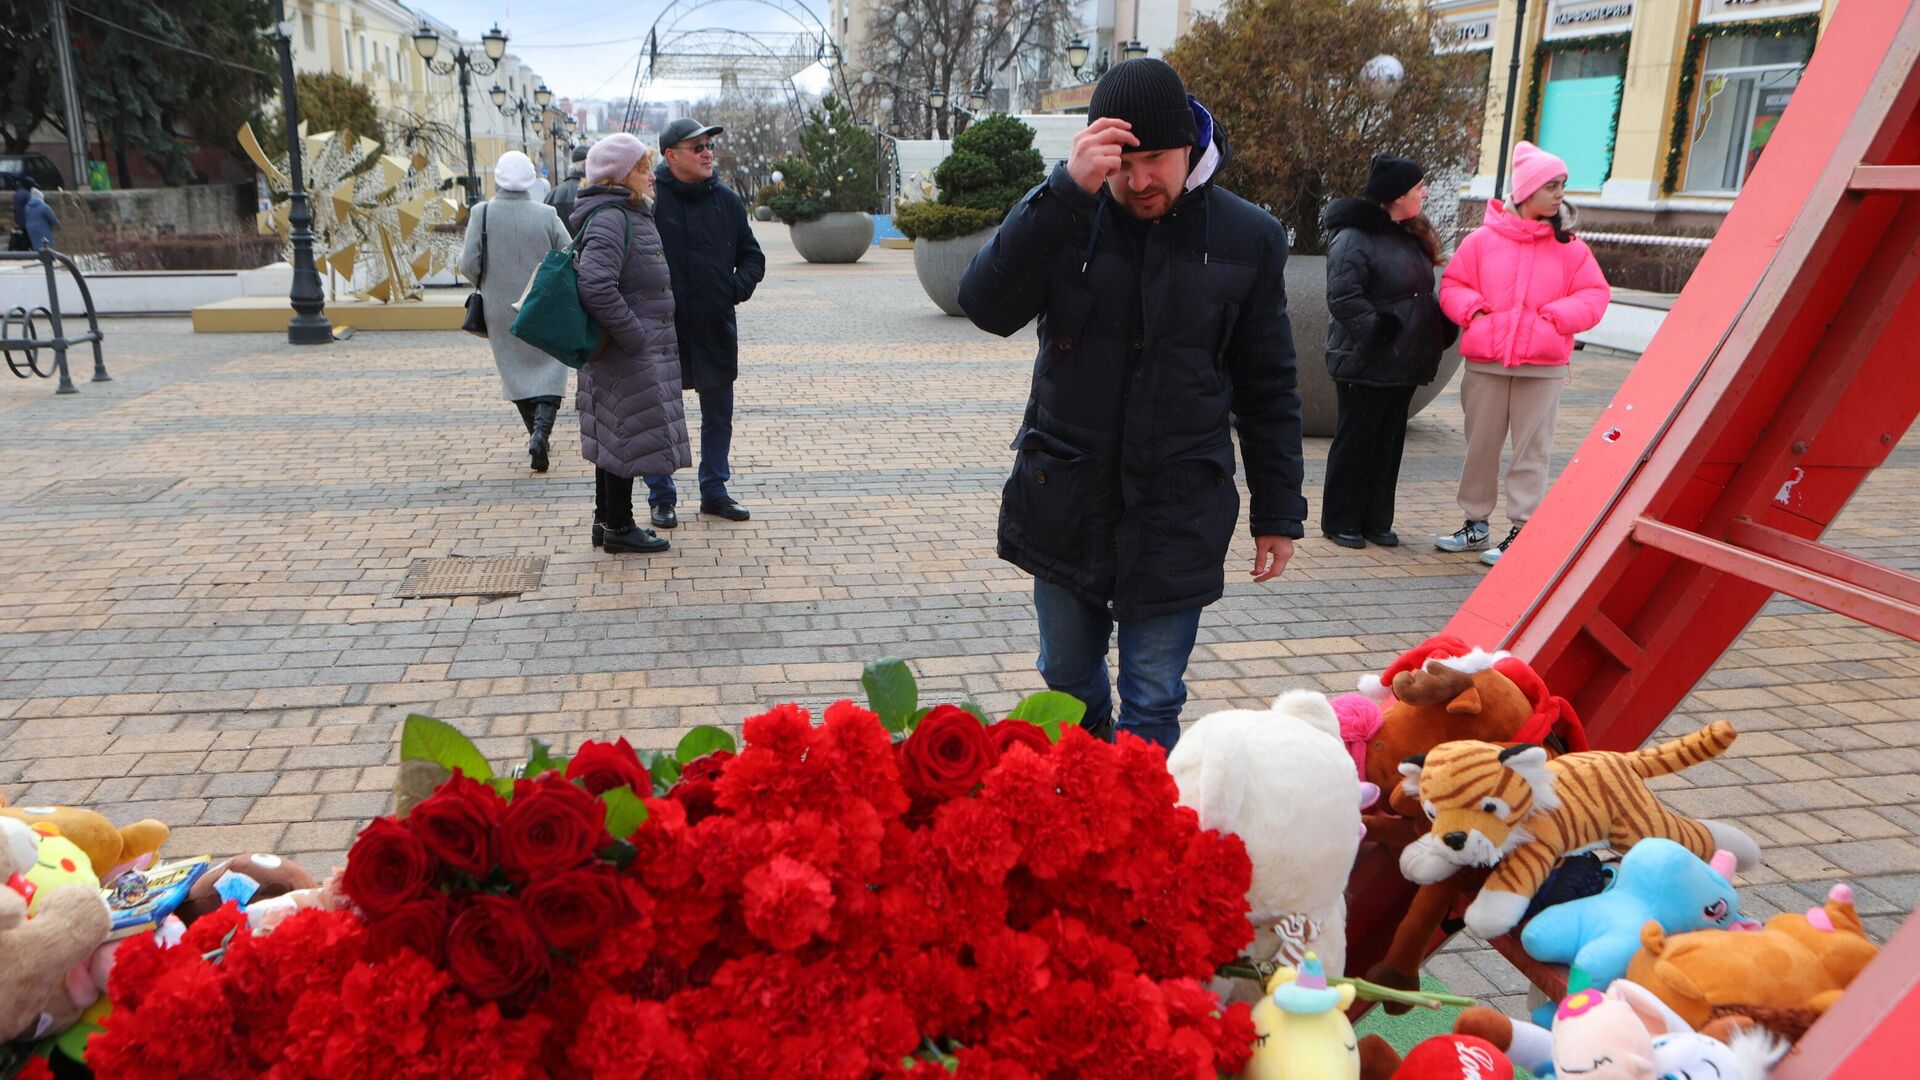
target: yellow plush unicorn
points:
(1301, 1028)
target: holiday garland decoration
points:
(1596, 43)
(897, 891)
(1806, 26)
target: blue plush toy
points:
(1657, 879)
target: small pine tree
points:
(992, 165)
(837, 171)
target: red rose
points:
(457, 824)
(387, 866)
(947, 753)
(698, 788)
(493, 951)
(551, 825)
(420, 925)
(707, 766)
(573, 908)
(1008, 734)
(603, 766)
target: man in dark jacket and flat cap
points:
(715, 263)
(1162, 319)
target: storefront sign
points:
(1712, 11)
(1467, 30)
(1067, 99)
(1586, 18)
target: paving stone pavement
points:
(227, 656)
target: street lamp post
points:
(521, 107)
(426, 41)
(1086, 66)
(309, 324)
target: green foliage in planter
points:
(992, 165)
(836, 171)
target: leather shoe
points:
(664, 517)
(634, 539)
(1388, 538)
(724, 507)
(599, 534)
(1346, 540)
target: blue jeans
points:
(716, 435)
(1074, 633)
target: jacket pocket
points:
(1548, 345)
(1052, 496)
(1486, 337)
(1202, 506)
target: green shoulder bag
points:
(551, 317)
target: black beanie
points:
(1390, 177)
(1148, 95)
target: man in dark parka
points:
(1162, 319)
(562, 198)
(716, 264)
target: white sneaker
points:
(1473, 536)
(1492, 557)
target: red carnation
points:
(572, 908)
(420, 925)
(457, 824)
(603, 766)
(387, 866)
(493, 951)
(1008, 734)
(947, 753)
(787, 902)
(551, 825)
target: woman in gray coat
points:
(518, 232)
(632, 422)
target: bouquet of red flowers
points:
(889, 892)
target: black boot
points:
(544, 411)
(525, 405)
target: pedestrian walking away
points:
(507, 236)
(17, 240)
(716, 265)
(632, 422)
(1520, 287)
(41, 221)
(1384, 340)
(1162, 320)
(562, 197)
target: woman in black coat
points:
(1385, 339)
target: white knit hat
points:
(513, 172)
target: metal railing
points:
(30, 341)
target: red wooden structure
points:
(1786, 372)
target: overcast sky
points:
(588, 48)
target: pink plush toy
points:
(1360, 720)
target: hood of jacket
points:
(591, 199)
(1523, 230)
(700, 189)
(1214, 159)
(1363, 214)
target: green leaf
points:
(422, 738)
(891, 692)
(978, 712)
(625, 812)
(503, 785)
(540, 759)
(1050, 710)
(665, 770)
(700, 742)
(620, 853)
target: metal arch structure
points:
(694, 54)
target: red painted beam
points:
(1868, 1033)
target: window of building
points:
(1579, 105)
(346, 36)
(306, 29)
(1745, 84)
(365, 63)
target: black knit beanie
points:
(1390, 177)
(1148, 95)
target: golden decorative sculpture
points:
(374, 213)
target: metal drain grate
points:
(504, 575)
(113, 491)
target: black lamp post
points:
(426, 41)
(977, 100)
(1086, 66)
(309, 324)
(521, 107)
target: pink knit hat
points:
(1532, 169)
(612, 158)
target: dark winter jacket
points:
(716, 264)
(632, 422)
(41, 223)
(20, 196)
(1153, 338)
(562, 198)
(1387, 329)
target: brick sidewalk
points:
(226, 656)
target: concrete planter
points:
(762, 213)
(940, 264)
(1307, 310)
(836, 238)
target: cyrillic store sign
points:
(1585, 18)
(1734, 10)
(1468, 30)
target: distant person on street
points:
(563, 196)
(41, 221)
(716, 265)
(1162, 319)
(1521, 286)
(632, 422)
(20, 196)
(515, 233)
(1385, 339)
(539, 190)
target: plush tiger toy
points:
(1518, 811)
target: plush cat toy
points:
(1516, 810)
(1748, 1054)
(1301, 1030)
(1623, 1033)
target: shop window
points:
(1579, 107)
(1745, 83)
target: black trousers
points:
(1363, 465)
(612, 499)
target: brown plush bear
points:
(113, 850)
(68, 923)
(247, 878)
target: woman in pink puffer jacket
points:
(1520, 287)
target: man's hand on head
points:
(1096, 152)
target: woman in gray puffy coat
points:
(516, 232)
(632, 422)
